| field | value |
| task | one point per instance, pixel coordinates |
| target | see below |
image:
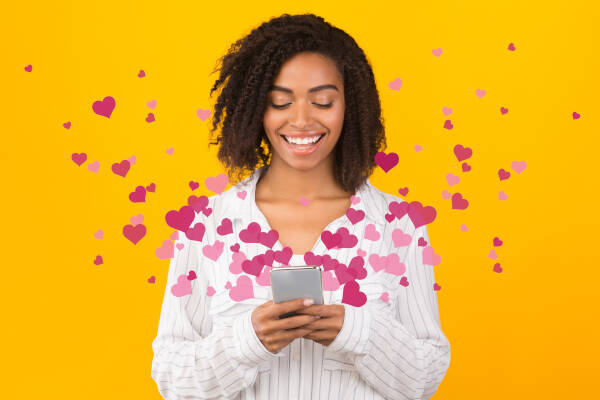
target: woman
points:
(298, 79)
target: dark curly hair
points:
(250, 68)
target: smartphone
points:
(290, 283)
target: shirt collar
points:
(241, 208)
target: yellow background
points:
(74, 330)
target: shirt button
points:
(296, 357)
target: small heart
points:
(418, 148)
(194, 185)
(361, 252)
(458, 203)
(235, 248)
(385, 296)
(141, 74)
(396, 84)
(104, 107)
(169, 151)
(503, 110)
(304, 201)
(241, 194)
(480, 93)
(576, 115)
(28, 68)
(462, 153)
(355, 199)
(228, 285)
(179, 246)
(94, 167)
(492, 254)
(403, 191)
(447, 111)
(386, 161)
(151, 187)
(502, 174)
(217, 183)
(79, 158)
(203, 114)
(67, 125)
(497, 268)
(502, 195)
(150, 117)
(191, 276)
(151, 104)
(448, 124)
(436, 287)
(139, 195)
(389, 217)
(132, 160)
(174, 235)
(422, 242)
(403, 281)
(446, 194)
(518, 166)
(437, 52)
(210, 291)
(511, 46)
(465, 167)
(452, 179)
(99, 234)
(463, 228)
(151, 279)
(138, 219)
(98, 260)
(497, 242)
(121, 168)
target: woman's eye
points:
(280, 106)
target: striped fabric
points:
(390, 348)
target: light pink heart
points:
(243, 290)
(179, 246)
(361, 252)
(480, 93)
(355, 199)
(452, 179)
(217, 183)
(385, 296)
(99, 234)
(183, 286)
(394, 266)
(151, 104)
(138, 219)
(94, 167)
(400, 239)
(210, 291)
(446, 194)
(330, 282)
(396, 84)
(371, 233)
(174, 235)
(241, 194)
(132, 160)
(304, 201)
(502, 195)
(437, 52)
(203, 114)
(492, 254)
(166, 250)
(418, 148)
(447, 111)
(213, 251)
(463, 228)
(518, 166)
(169, 151)
(430, 257)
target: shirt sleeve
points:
(192, 358)
(405, 356)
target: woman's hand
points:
(325, 329)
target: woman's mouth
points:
(303, 148)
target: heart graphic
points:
(502, 174)
(132, 160)
(361, 252)
(352, 295)
(354, 199)
(502, 195)
(196, 233)
(458, 203)
(447, 111)
(576, 115)
(151, 187)
(497, 242)
(151, 279)
(403, 191)
(420, 215)
(430, 257)
(436, 287)
(235, 267)
(422, 242)
(99, 234)
(312, 259)
(284, 255)
(518, 166)
(466, 167)
(121, 168)
(151, 104)
(355, 215)
(166, 250)
(396, 84)
(104, 107)
(225, 228)
(400, 238)
(217, 183)
(139, 195)
(134, 233)
(371, 233)
(203, 114)
(235, 248)
(213, 251)
(480, 93)
(464, 228)
(452, 179)
(418, 148)
(462, 153)
(377, 262)
(169, 151)
(194, 185)
(329, 281)
(67, 125)
(448, 124)
(94, 167)
(241, 194)
(264, 279)
(253, 267)
(497, 268)
(98, 260)
(330, 240)
(183, 286)
(503, 110)
(437, 52)
(138, 219)
(492, 254)
(174, 235)
(179, 246)
(394, 266)
(403, 281)
(150, 117)
(141, 74)
(251, 234)
(210, 291)
(357, 265)
(446, 194)
(197, 203)
(191, 276)
(28, 68)
(386, 161)
(79, 158)
(182, 219)
(268, 239)
(385, 296)
(243, 290)
(511, 47)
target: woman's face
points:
(305, 113)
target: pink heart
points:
(330, 240)
(400, 239)
(182, 287)
(452, 179)
(462, 153)
(492, 254)
(134, 233)
(329, 263)
(576, 115)
(241, 194)
(511, 47)
(169, 151)
(225, 228)
(480, 93)
(357, 265)
(243, 290)
(446, 194)
(253, 267)
(386, 161)
(196, 232)
(151, 187)
(422, 242)
(430, 257)
(268, 239)
(141, 74)
(330, 282)
(447, 111)
(235, 267)
(139, 195)
(150, 117)
(394, 266)
(403, 281)
(191, 276)
(235, 248)
(203, 114)
(67, 125)
(98, 260)
(503, 110)
(79, 158)
(28, 68)
(94, 167)
(518, 166)
(502, 195)
(396, 84)
(166, 250)
(377, 262)
(354, 199)
(264, 279)
(463, 228)
(198, 203)
(179, 246)
(151, 279)
(355, 215)
(138, 219)
(251, 234)
(352, 295)
(448, 124)
(371, 233)
(403, 191)
(228, 285)
(194, 185)
(418, 148)
(312, 259)
(210, 291)
(284, 255)
(174, 235)
(304, 201)
(458, 203)
(121, 168)
(132, 160)
(217, 183)
(497, 242)
(436, 287)
(497, 268)
(104, 107)
(99, 234)
(385, 296)
(437, 52)
(151, 104)
(420, 215)
(182, 219)
(213, 251)
(503, 174)
(361, 252)
(466, 167)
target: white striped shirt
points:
(206, 347)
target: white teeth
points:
(302, 141)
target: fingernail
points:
(308, 302)
(317, 316)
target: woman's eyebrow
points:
(315, 89)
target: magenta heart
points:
(462, 153)
(403, 281)
(198, 203)
(436, 287)
(284, 255)
(356, 264)
(389, 217)
(191, 276)
(311, 259)
(330, 240)
(252, 267)
(497, 242)
(207, 211)
(194, 185)
(458, 203)
(268, 238)
(268, 257)
(150, 117)
(503, 174)
(98, 260)
(67, 125)
(422, 242)
(503, 110)
(344, 274)
(28, 68)
(139, 195)
(151, 187)
(196, 233)
(403, 191)
(151, 279)
(497, 267)
(355, 215)
(329, 263)
(420, 215)
(235, 248)
(511, 47)
(576, 115)
(104, 107)
(182, 219)
(448, 124)
(121, 168)
(348, 240)
(225, 228)
(79, 158)
(352, 295)
(134, 233)
(466, 167)
(251, 234)
(386, 161)
(141, 74)
(398, 210)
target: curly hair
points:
(250, 67)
